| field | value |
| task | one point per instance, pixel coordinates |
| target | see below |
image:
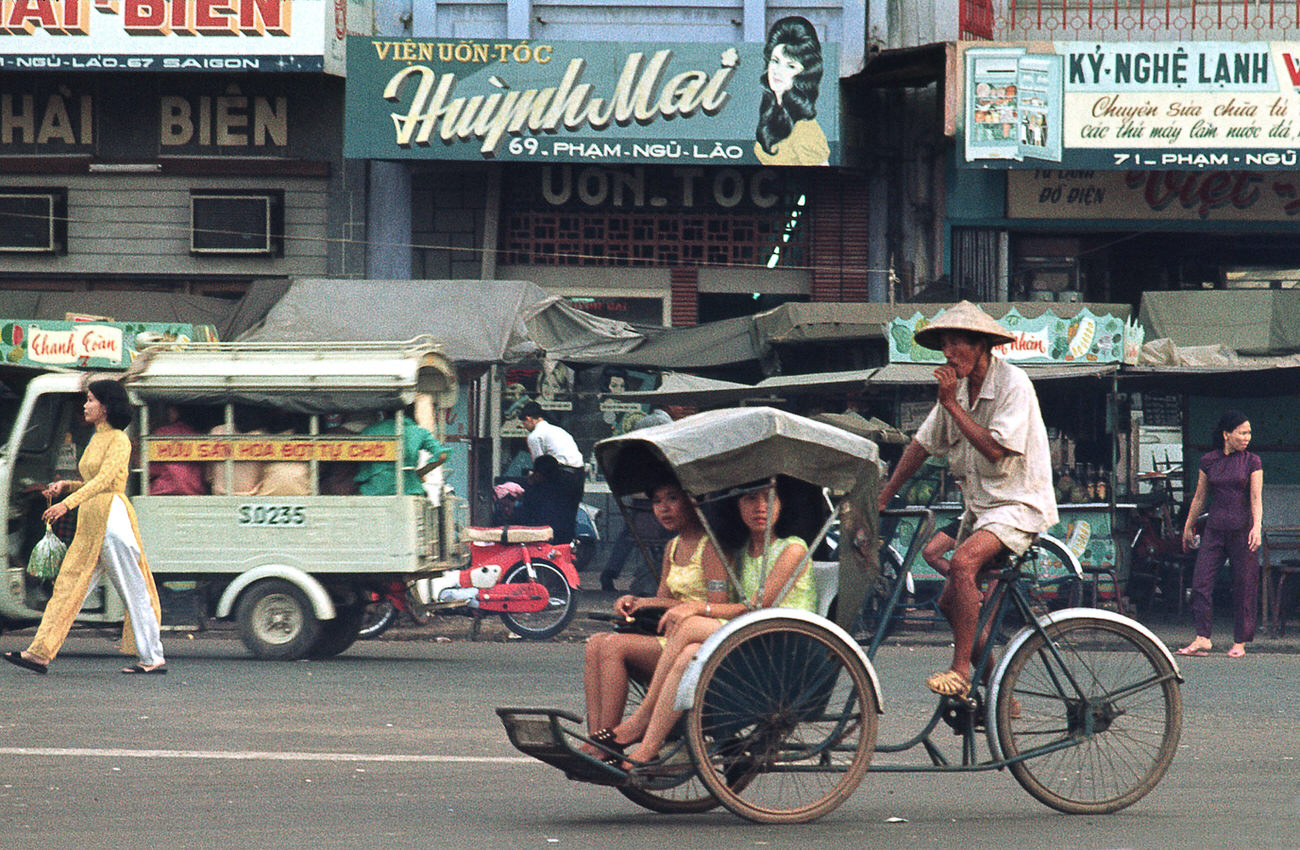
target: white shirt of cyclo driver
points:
(1016, 490)
(548, 439)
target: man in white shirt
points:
(988, 424)
(545, 438)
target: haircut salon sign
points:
(547, 102)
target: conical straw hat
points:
(963, 316)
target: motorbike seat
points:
(507, 534)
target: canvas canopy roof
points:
(1247, 321)
(300, 377)
(229, 317)
(726, 448)
(474, 321)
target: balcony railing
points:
(1130, 20)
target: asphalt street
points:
(395, 743)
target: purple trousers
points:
(1217, 546)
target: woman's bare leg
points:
(664, 717)
(688, 635)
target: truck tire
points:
(340, 633)
(276, 621)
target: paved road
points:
(395, 744)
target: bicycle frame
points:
(1008, 594)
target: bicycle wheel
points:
(1104, 709)
(784, 721)
(686, 795)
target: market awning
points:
(692, 390)
(1248, 321)
(923, 373)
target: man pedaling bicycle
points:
(988, 424)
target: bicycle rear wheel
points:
(1104, 708)
(784, 721)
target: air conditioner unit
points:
(33, 221)
(248, 223)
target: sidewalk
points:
(1173, 630)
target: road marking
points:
(258, 755)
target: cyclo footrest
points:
(537, 732)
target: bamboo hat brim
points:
(963, 316)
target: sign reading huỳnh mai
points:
(598, 102)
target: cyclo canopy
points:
(722, 449)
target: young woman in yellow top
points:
(690, 624)
(691, 567)
(107, 540)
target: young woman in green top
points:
(687, 626)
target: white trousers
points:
(119, 557)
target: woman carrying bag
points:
(107, 539)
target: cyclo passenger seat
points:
(507, 534)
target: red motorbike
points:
(514, 571)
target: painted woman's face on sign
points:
(781, 71)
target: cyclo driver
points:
(988, 424)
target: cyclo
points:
(1082, 706)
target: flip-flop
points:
(1236, 653)
(1188, 651)
(140, 669)
(949, 683)
(26, 663)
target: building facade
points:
(184, 146)
(677, 226)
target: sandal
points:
(949, 683)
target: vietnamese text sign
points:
(598, 102)
(1154, 195)
(89, 345)
(1133, 105)
(177, 35)
(266, 449)
(1082, 338)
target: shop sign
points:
(596, 102)
(1131, 105)
(46, 115)
(178, 35)
(1082, 338)
(88, 345)
(1154, 195)
(197, 449)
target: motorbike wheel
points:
(563, 604)
(377, 618)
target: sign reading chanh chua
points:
(1130, 105)
(599, 102)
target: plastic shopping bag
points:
(47, 555)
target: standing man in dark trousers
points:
(545, 438)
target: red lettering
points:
(144, 16)
(1292, 68)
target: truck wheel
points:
(340, 633)
(276, 621)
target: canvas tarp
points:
(474, 321)
(1247, 321)
(829, 322)
(229, 317)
